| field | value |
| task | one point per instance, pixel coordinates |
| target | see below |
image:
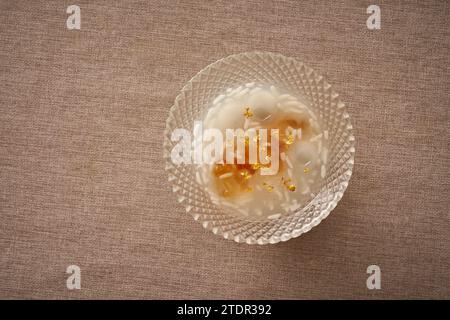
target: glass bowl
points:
(264, 68)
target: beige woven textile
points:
(82, 181)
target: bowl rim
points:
(337, 195)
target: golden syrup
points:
(234, 179)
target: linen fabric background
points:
(82, 180)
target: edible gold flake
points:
(288, 185)
(256, 166)
(290, 139)
(291, 187)
(268, 187)
(248, 113)
(245, 174)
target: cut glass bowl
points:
(264, 68)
